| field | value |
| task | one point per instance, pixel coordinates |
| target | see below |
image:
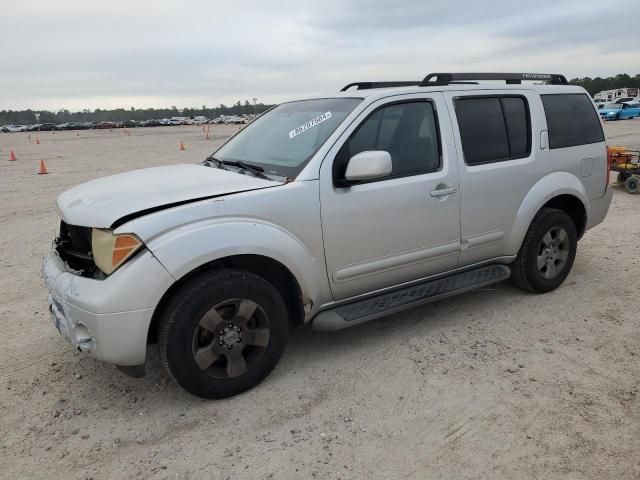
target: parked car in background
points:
(105, 125)
(619, 111)
(151, 123)
(33, 128)
(47, 127)
(234, 119)
(14, 128)
(129, 124)
(333, 210)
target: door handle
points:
(441, 192)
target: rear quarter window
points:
(493, 128)
(571, 120)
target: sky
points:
(77, 54)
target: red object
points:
(12, 156)
(37, 141)
(182, 145)
(609, 161)
(43, 168)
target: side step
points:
(379, 306)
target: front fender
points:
(548, 187)
(184, 249)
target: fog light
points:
(84, 340)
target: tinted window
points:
(407, 131)
(571, 120)
(493, 128)
(515, 113)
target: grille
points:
(74, 247)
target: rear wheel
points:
(223, 332)
(547, 253)
(632, 184)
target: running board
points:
(409, 297)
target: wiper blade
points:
(255, 169)
(212, 159)
(246, 166)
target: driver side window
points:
(407, 130)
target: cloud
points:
(125, 53)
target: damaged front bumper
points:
(107, 319)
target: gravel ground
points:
(493, 384)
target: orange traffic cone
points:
(207, 137)
(182, 145)
(43, 168)
(37, 141)
(77, 134)
(12, 156)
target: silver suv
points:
(333, 211)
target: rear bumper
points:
(599, 208)
(107, 319)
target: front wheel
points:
(223, 332)
(547, 253)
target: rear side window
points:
(493, 129)
(571, 120)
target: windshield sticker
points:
(311, 123)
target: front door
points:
(399, 228)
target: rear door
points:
(499, 162)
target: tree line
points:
(598, 84)
(28, 117)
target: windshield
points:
(285, 138)
(613, 106)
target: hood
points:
(100, 203)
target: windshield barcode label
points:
(311, 123)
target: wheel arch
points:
(573, 207)
(269, 269)
(571, 198)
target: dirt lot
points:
(493, 384)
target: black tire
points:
(632, 184)
(526, 272)
(182, 335)
(622, 177)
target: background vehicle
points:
(14, 128)
(619, 111)
(47, 127)
(333, 210)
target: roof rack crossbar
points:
(370, 85)
(509, 78)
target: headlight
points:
(110, 251)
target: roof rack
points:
(438, 79)
(370, 85)
(509, 78)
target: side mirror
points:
(368, 166)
